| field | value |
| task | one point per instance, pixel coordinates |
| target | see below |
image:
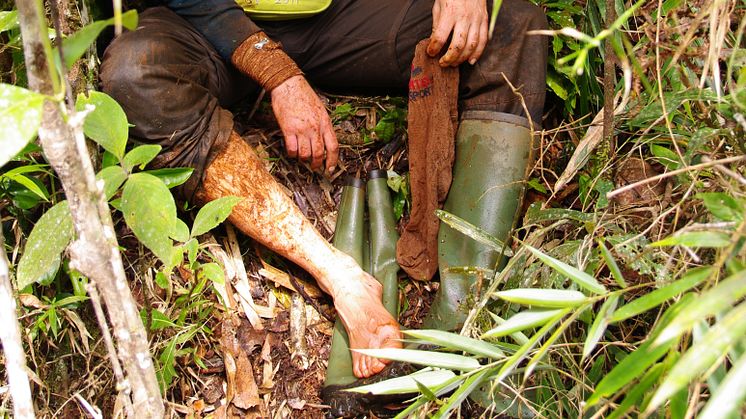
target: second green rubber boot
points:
(492, 154)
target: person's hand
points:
(467, 21)
(305, 123)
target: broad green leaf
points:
(113, 177)
(28, 184)
(20, 116)
(635, 364)
(159, 321)
(463, 392)
(599, 325)
(48, 239)
(427, 358)
(543, 297)
(454, 341)
(75, 45)
(181, 232)
(140, 156)
(638, 391)
(709, 303)
(521, 321)
(106, 124)
(470, 230)
(213, 272)
(576, 275)
(150, 212)
(172, 176)
(8, 20)
(703, 355)
(722, 206)
(407, 384)
(213, 213)
(727, 401)
(659, 296)
(713, 239)
(666, 157)
(616, 273)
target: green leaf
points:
(172, 176)
(727, 401)
(407, 384)
(28, 184)
(8, 20)
(543, 297)
(213, 272)
(576, 275)
(20, 116)
(427, 358)
(634, 364)
(75, 45)
(666, 157)
(159, 321)
(722, 206)
(637, 392)
(162, 280)
(458, 342)
(544, 349)
(462, 393)
(692, 278)
(703, 355)
(599, 325)
(213, 213)
(616, 273)
(140, 156)
(192, 246)
(106, 124)
(712, 239)
(150, 212)
(521, 321)
(470, 230)
(709, 303)
(49, 238)
(181, 232)
(113, 177)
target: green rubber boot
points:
(383, 238)
(492, 155)
(348, 237)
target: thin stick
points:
(10, 336)
(674, 173)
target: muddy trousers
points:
(176, 89)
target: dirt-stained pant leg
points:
(174, 88)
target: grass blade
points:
(407, 384)
(727, 401)
(599, 325)
(543, 297)
(576, 275)
(548, 344)
(659, 296)
(616, 273)
(462, 393)
(521, 321)
(454, 341)
(427, 358)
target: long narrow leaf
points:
(599, 325)
(454, 341)
(616, 273)
(659, 296)
(407, 384)
(576, 275)
(703, 355)
(463, 392)
(715, 300)
(549, 342)
(521, 321)
(635, 394)
(428, 358)
(470, 230)
(543, 297)
(728, 400)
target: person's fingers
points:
(317, 149)
(482, 43)
(440, 35)
(458, 41)
(332, 147)
(431, 47)
(304, 147)
(291, 146)
(472, 42)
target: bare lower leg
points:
(268, 215)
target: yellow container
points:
(283, 9)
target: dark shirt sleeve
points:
(222, 22)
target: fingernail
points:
(472, 61)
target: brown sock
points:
(433, 120)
